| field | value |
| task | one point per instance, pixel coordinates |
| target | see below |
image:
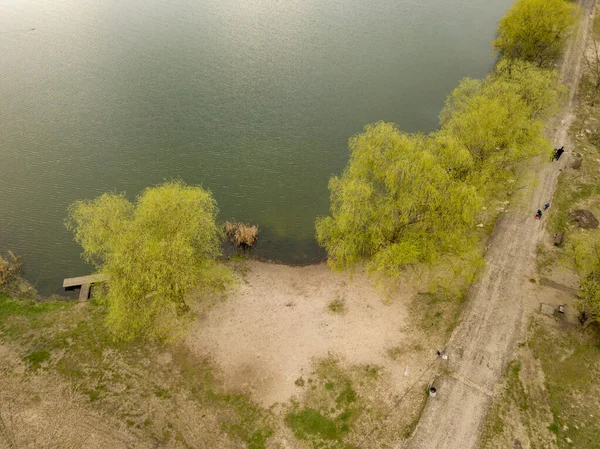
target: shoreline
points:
(230, 254)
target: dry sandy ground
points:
(493, 320)
(266, 334)
(40, 411)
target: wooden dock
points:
(85, 282)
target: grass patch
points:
(515, 387)
(571, 364)
(395, 352)
(410, 428)
(569, 361)
(597, 26)
(372, 371)
(544, 259)
(236, 257)
(162, 393)
(337, 306)
(437, 315)
(570, 193)
(347, 396)
(19, 317)
(351, 407)
(327, 412)
(308, 422)
(126, 380)
(36, 358)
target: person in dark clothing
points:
(546, 206)
(558, 153)
(538, 215)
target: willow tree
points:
(499, 121)
(395, 204)
(498, 133)
(535, 30)
(153, 251)
(539, 90)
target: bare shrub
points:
(9, 268)
(241, 234)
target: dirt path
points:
(480, 347)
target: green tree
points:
(585, 253)
(535, 30)
(396, 204)
(540, 89)
(589, 293)
(408, 199)
(499, 122)
(153, 251)
(497, 133)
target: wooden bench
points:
(85, 282)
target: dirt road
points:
(480, 347)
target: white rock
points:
(480, 225)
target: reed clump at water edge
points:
(10, 268)
(241, 234)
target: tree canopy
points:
(407, 199)
(585, 252)
(535, 30)
(153, 251)
(589, 293)
(499, 121)
(395, 203)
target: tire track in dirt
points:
(481, 345)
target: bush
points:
(584, 250)
(10, 269)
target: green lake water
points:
(253, 99)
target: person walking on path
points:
(558, 153)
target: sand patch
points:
(267, 332)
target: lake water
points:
(253, 99)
